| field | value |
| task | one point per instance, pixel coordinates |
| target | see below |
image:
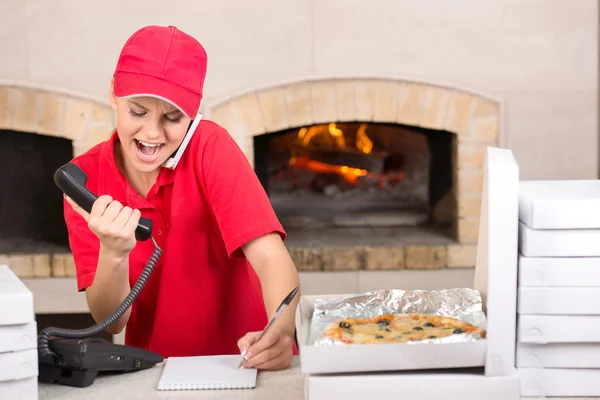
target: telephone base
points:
(66, 376)
(79, 361)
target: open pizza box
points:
(495, 279)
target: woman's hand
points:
(272, 352)
(112, 223)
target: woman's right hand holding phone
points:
(112, 223)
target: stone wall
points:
(475, 119)
(434, 257)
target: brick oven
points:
(363, 173)
(356, 174)
(369, 173)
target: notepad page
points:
(206, 372)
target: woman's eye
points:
(137, 115)
(174, 120)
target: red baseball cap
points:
(165, 63)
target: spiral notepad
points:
(206, 372)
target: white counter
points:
(286, 384)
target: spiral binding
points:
(43, 338)
(203, 386)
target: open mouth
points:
(148, 151)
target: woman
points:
(224, 269)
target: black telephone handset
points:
(74, 357)
(71, 180)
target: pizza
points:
(398, 328)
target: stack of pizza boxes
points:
(18, 339)
(474, 370)
(558, 333)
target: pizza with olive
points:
(398, 328)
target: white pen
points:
(286, 302)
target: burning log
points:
(373, 163)
(346, 167)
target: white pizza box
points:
(558, 355)
(379, 357)
(559, 271)
(560, 204)
(559, 300)
(542, 329)
(558, 242)
(495, 279)
(18, 365)
(18, 337)
(538, 382)
(470, 384)
(22, 389)
(16, 300)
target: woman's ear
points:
(113, 98)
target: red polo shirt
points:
(203, 295)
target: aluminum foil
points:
(461, 303)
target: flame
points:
(349, 174)
(337, 134)
(306, 135)
(334, 136)
(363, 143)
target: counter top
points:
(271, 385)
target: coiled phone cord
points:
(44, 336)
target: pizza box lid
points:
(559, 271)
(560, 204)
(558, 242)
(22, 389)
(466, 384)
(18, 365)
(18, 337)
(550, 329)
(495, 279)
(559, 301)
(558, 355)
(16, 300)
(559, 382)
(496, 265)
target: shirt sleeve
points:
(84, 247)
(238, 200)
